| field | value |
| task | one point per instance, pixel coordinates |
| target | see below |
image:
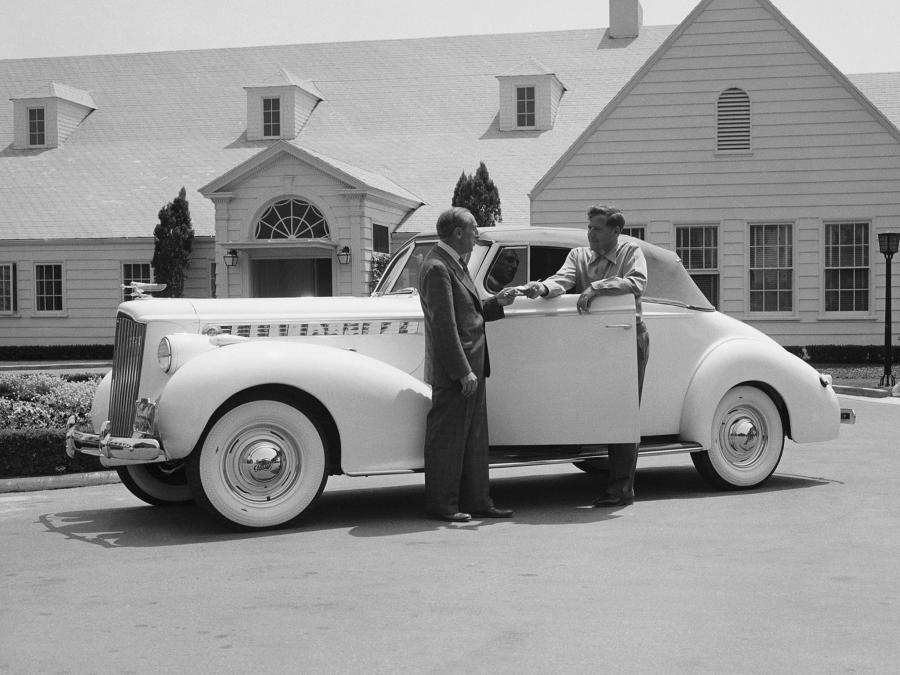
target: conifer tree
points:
(479, 194)
(173, 239)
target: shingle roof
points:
(415, 112)
(412, 114)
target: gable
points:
(816, 140)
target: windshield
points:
(402, 275)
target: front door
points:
(289, 278)
(563, 378)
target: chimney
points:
(625, 18)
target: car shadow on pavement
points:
(397, 510)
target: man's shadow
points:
(538, 500)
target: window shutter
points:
(733, 120)
(15, 289)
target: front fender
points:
(813, 411)
(379, 410)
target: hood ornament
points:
(141, 290)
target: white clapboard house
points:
(728, 138)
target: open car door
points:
(563, 378)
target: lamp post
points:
(887, 244)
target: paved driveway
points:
(800, 576)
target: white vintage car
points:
(248, 405)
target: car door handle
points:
(626, 326)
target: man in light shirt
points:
(607, 266)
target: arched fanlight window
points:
(733, 120)
(291, 219)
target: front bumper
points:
(112, 450)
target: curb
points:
(68, 480)
(861, 391)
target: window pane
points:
(847, 267)
(771, 267)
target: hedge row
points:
(850, 354)
(56, 353)
(40, 452)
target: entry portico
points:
(288, 211)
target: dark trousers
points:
(456, 451)
(623, 456)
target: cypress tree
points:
(173, 239)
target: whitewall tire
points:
(262, 464)
(747, 440)
(160, 484)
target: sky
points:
(858, 36)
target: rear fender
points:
(379, 411)
(811, 411)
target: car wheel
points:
(163, 484)
(262, 464)
(747, 441)
(597, 465)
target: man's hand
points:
(469, 384)
(584, 300)
(533, 289)
(506, 297)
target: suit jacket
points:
(455, 342)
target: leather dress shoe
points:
(612, 500)
(458, 517)
(493, 512)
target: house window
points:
(525, 106)
(36, 134)
(271, 117)
(698, 248)
(8, 290)
(381, 240)
(212, 279)
(292, 219)
(771, 268)
(48, 287)
(636, 232)
(733, 121)
(131, 272)
(847, 267)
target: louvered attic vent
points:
(733, 120)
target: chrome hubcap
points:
(262, 464)
(743, 437)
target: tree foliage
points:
(479, 194)
(173, 239)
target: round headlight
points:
(164, 354)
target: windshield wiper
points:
(409, 290)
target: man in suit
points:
(456, 366)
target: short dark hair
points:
(449, 220)
(613, 216)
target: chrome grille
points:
(126, 374)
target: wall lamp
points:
(343, 255)
(230, 257)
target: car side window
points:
(546, 261)
(509, 268)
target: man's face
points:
(467, 236)
(601, 236)
(506, 266)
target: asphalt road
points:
(799, 576)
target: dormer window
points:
(46, 115)
(524, 106)
(529, 98)
(36, 131)
(271, 117)
(279, 107)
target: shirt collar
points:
(451, 252)
(609, 255)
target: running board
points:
(511, 456)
